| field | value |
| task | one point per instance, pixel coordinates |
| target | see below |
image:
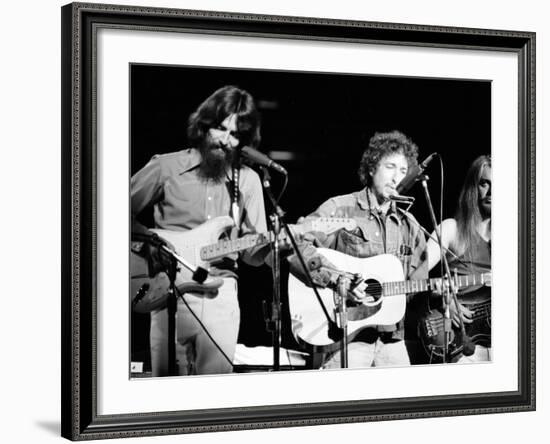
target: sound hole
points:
(373, 291)
(369, 305)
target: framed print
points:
(191, 138)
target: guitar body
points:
(432, 336)
(431, 329)
(309, 323)
(479, 331)
(148, 294)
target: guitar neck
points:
(226, 247)
(404, 287)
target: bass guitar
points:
(383, 298)
(431, 327)
(201, 247)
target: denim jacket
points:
(394, 232)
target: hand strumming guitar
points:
(441, 286)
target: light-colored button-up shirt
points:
(183, 200)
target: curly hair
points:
(382, 145)
(222, 103)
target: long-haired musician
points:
(468, 237)
(186, 189)
(381, 228)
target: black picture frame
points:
(80, 419)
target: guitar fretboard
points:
(404, 287)
(225, 247)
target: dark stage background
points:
(325, 121)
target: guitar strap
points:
(235, 210)
(236, 172)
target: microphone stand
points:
(273, 320)
(447, 323)
(342, 317)
(172, 308)
(199, 275)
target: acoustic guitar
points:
(382, 293)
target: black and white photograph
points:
(224, 161)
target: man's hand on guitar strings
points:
(461, 310)
(440, 287)
(357, 289)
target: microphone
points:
(413, 175)
(427, 160)
(199, 273)
(261, 159)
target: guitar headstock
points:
(329, 225)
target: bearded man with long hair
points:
(468, 237)
(186, 189)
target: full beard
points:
(215, 161)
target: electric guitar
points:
(201, 247)
(382, 298)
(431, 327)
